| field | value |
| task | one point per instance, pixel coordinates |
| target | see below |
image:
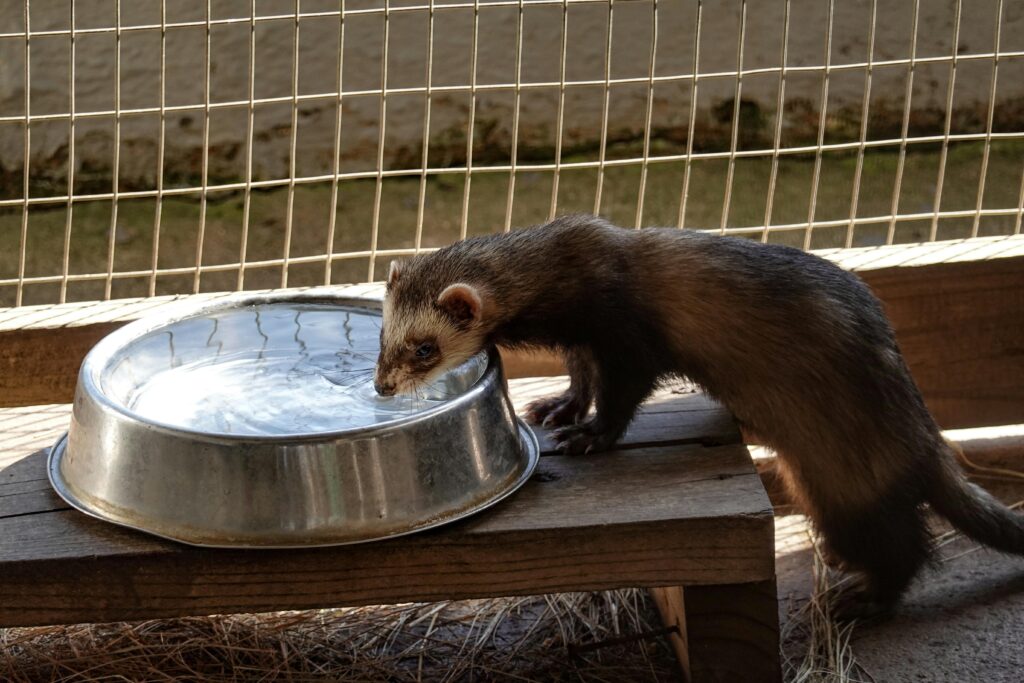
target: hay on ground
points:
(514, 639)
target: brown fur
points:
(797, 348)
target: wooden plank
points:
(25, 488)
(657, 516)
(688, 492)
(861, 259)
(723, 633)
(41, 365)
(56, 316)
(520, 363)
(968, 368)
(667, 417)
(28, 428)
(961, 329)
(670, 602)
(957, 307)
(958, 311)
(733, 633)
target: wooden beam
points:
(671, 605)
(733, 633)
(957, 307)
(41, 365)
(723, 633)
(960, 327)
(640, 517)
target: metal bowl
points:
(249, 422)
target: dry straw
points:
(513, 639)
(825, 643)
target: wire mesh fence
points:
(163, 147)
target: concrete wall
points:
(587, 25)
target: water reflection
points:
(271, 369)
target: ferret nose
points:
(383, 389)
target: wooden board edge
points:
(960, 324)
(670, 602)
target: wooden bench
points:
(678, 508)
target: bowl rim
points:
(527, 438)
(96, 361)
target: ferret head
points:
(428, 328)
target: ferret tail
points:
(973, 510)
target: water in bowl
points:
(268, 370)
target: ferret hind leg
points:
(884, 546)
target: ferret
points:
(798, 349)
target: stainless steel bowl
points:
(226, 425)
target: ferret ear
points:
(462, 302)
(394, 271)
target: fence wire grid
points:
(165, 147)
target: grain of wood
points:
(666, 417)
(643, 517)
(957, 307)
(733, 633)
(35, 363)
(709, 470)
(960, 326)
(723, 633)
(26, 429)
(670, 601)
(863, 259)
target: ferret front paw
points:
(556, 411)
(583, 438)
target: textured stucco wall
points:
(140, 60)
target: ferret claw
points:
(581, 439)
(554, 411)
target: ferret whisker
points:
(359, 376)
(433, 386)
(352, 370)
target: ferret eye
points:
(424, 350)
